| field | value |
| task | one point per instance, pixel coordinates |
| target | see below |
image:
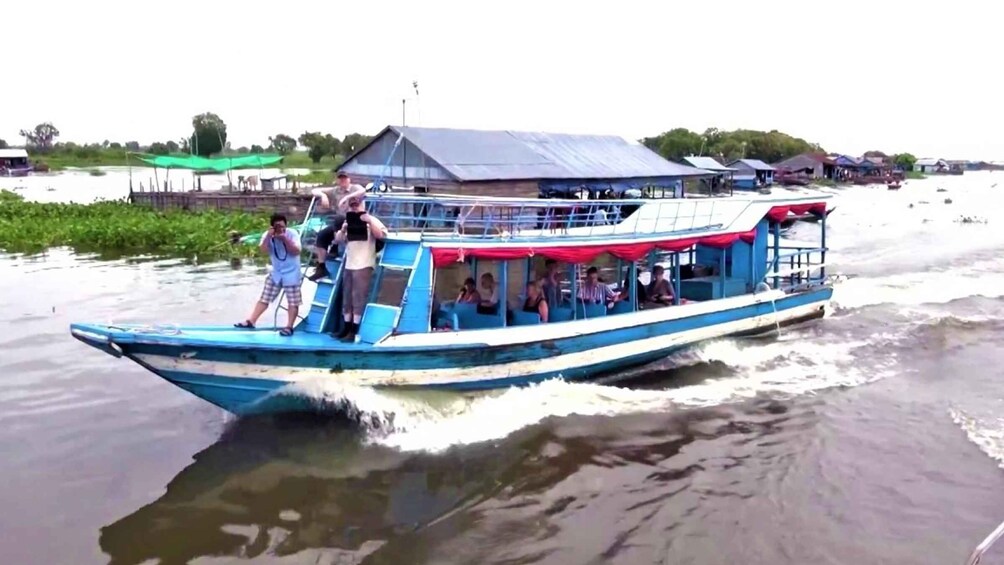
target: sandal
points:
(246, 325)
(286, 332)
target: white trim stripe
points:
(456, 375)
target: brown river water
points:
(874, 435)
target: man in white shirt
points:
(282, 245)
(360, 233)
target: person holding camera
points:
(282, 245)
(335, 199)
(360, 233)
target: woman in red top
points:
(469, 293)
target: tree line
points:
(726, 146)
(768, 146)
(208, 137)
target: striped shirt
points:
(595, 294)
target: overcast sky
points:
(850, 75)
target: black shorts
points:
(326, 236)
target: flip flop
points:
(246, 325)
(286, 332)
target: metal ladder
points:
(977, 555)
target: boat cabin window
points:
(470, 295)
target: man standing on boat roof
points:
(360, 233)
(336, 200)
(282, 245)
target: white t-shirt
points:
(360, 254)
(285, 264)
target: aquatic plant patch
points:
(27, 227)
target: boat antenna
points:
(418, 104)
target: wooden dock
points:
(196, 201)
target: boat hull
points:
(244, 380)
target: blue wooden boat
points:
(729, 272)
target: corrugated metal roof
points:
(755, 164)
(13, 154)
(929, 162)
(475, 155)
(707, 163)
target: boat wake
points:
(983, 278)
(434, 421)
(987, 434)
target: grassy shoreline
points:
(123, 228)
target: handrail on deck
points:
(513, 218)
(977, 554)
(800, 266)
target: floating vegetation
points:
(122, 228)
(96, 172)
(970, 220)
(948, 201)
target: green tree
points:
(115, 146)
(282, 144)
(675, 144)
(354, 142)
(334, 145)
(257, 149)
(41, 138)
(904, 161)
(132, 146)
(209, 134)
(3, 144)
(172, 146)
(875, 153)
(316, 143)
(159, 148)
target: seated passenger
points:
(593, 291)
(659, 291)
(550, 283)
(491, 304)
(639, 289)
(469, 293)
(535, 302)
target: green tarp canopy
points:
(218, 164)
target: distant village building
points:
(751, 173)
(723, 175)
(513, 163)
(813, 165)
(930, 166)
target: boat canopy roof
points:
(219, 164)
(13, 154)
(577, 231)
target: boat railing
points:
(514, 219)
(793, 266)
(977, 554)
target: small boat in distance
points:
(14, 163)
(727, 272)
(893, 185)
